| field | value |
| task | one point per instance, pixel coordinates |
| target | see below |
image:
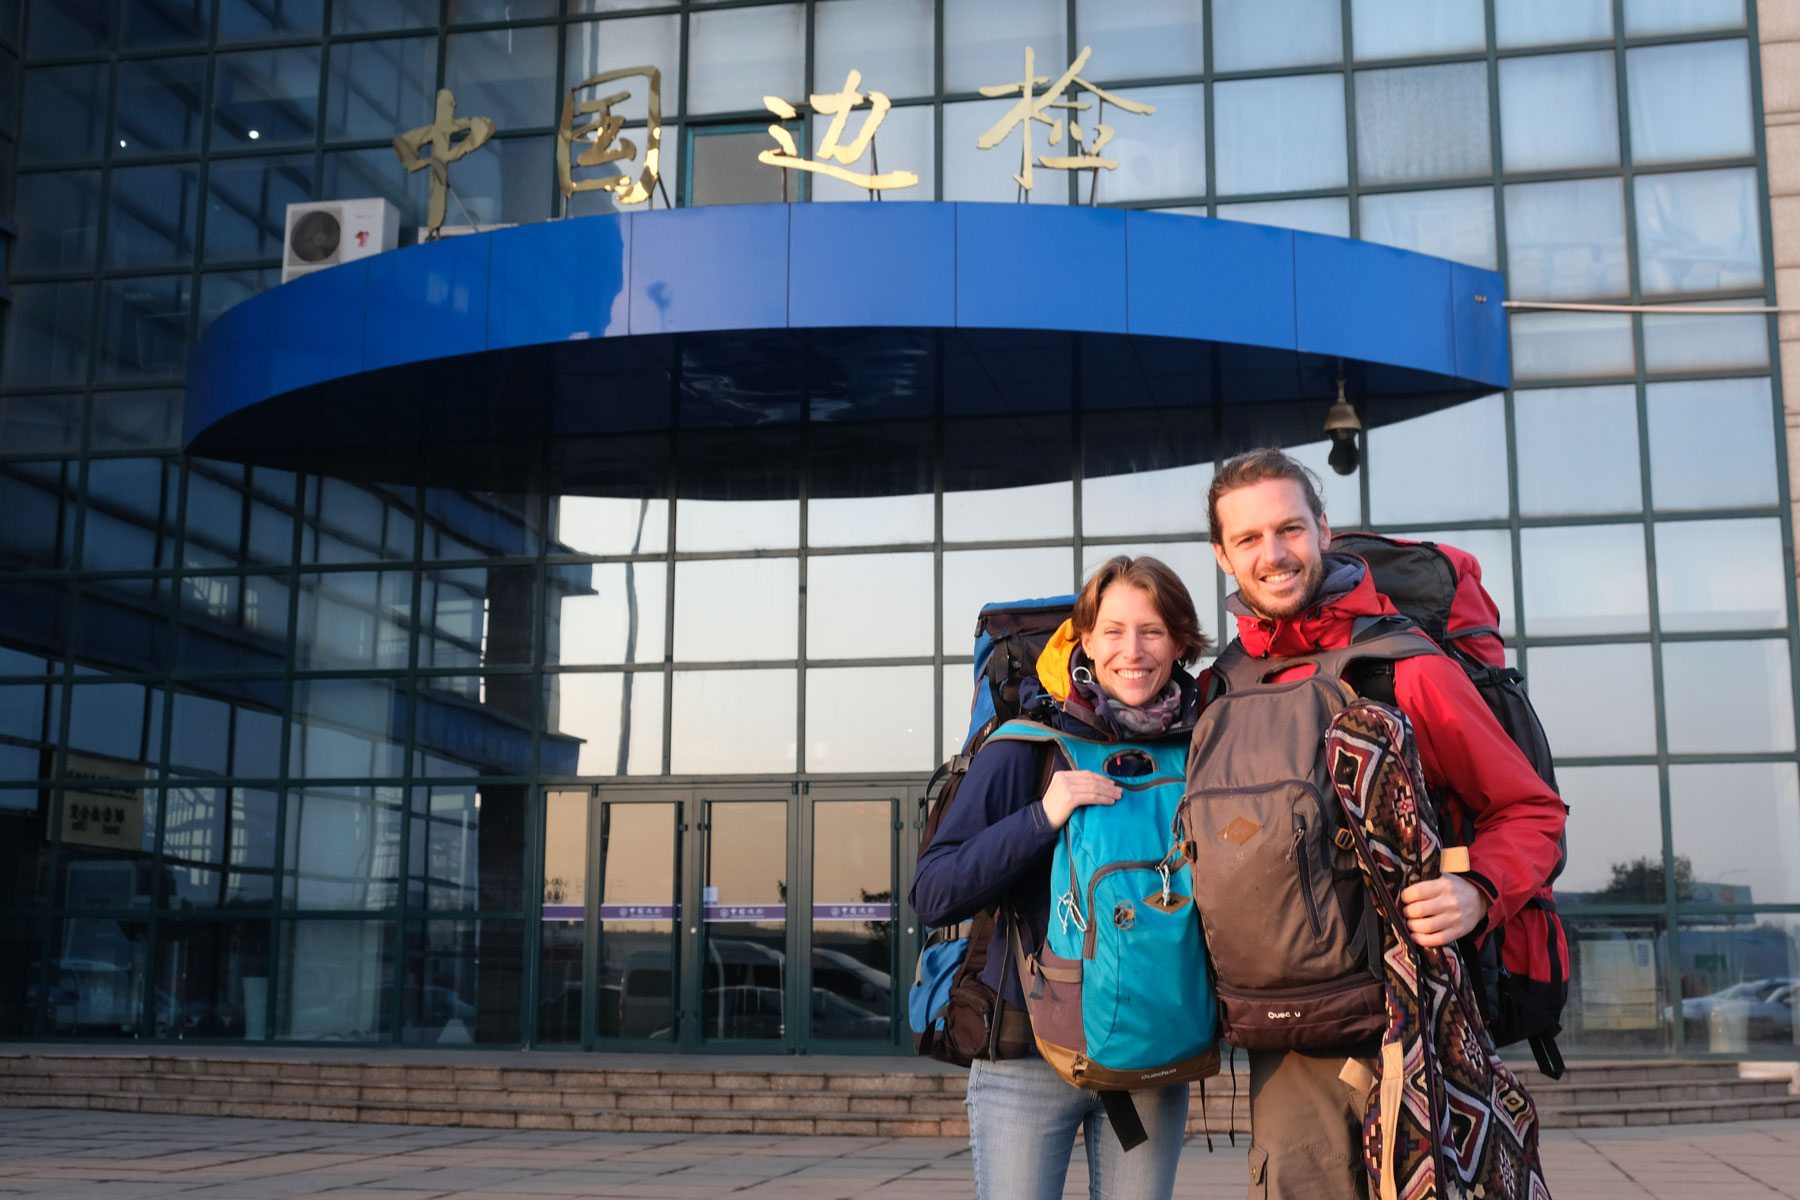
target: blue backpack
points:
(1120, 995)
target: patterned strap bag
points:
(1446, 1118)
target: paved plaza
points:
(57, 1154)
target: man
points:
(1294, 597)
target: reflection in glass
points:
(1435, 486)
(58, 27)
(1584, 579)
(564, 916)
(47, 334)
(1594, 700)
(149, 420)
(1740, 979)
(1695, 427)
(232, 623)
(734, 722)
(1578, 450)
(1565, 239)
(904, 143)
(839, 735)
(743, 977)
(1678, 342)
(1618, 995)
(743, 608)
(347, 522)
(1728, 697)
(242, 20)
(117, 720)
(246, 204)
(63, 114)
(605, 724)
(354, 619)
(853, 920)
(1679, 16)
(159, 105)
(477, 616)
(212, 979)
(143, 327)
(336, 982)
(1559, 110)
(98, 972)
(1698, 231)
(219, 847)
(985, 40)
(608, 525)
(1251, 34)
(868, 605)
(869, 520)
(639, 919)
(1564, 345)
(971, 173)
(343, 728)
(1401, 28)
(379, 88)
(973, 578)
(889, 41)
(508, 75)
(1737, 832)
(1721, 575)
(1546, 22)
(1689, 101)
(595, 47)
(467, 848)
(606, 613)
(342, 848)
(264, 98)
(1329, 215)
(58, 219)
(1166, 500)
(1162, 154)
(1279, 135)
(738, 56)
(737, 524)
(1614, 834)
(1453, 223)
(376, 16)
(462, 981)
(1144, 40)
(1422, 123)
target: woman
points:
(1113, 672)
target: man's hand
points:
(1438, 911)
(1070, 790)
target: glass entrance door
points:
(746, 979)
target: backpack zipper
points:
(1093, 930)
(1298, 853)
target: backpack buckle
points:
(1344, 839)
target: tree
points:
(1640, 881)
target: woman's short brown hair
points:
(1167, 594)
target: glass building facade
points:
(304, 758)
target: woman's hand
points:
(1070, 790)
(1438, 911)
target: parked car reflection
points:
(1754, 1010)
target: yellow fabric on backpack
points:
(1053, 663)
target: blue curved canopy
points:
(512, 351)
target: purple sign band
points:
(720, 912)
(853, 912)
(640, 912)
(565, 912)
(746, 912)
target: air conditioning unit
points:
(324, 233)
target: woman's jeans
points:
(1022, 1123)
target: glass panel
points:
(372, 172)
(1584, 579)
(738, 56)
(266, 97)
(508, 75)
(42, 424)
(868, 605)
(477, 616)
(144, 328)
(1594, 700)
(1562, 345)
(212, 979)
(463, 982)
(973, 578)
(241, 20)
(1146, 40)
(564, 913)
(467, 848)
(904, 142)
(63, 114)
(1453, 223)
(376, 16)
(509, 180)
(1679, 16)
(744, 976)
(349, 522)
(604, 724)
(853, 919)
(1162, 154)
(336, 982)
(889, 41)
(98, 974)
(608, 525)
(112, 719)
(232, 623)
(1329, 215)
(151, 216)
(1614, 835)
(1032, 510)
(971, 173)
(379, 88)
(1134, 478)
(596, 47)
(1492, 548)
(470, 524)
(1738, 980)
(354, 619)
(246, 204)
(1721, 575)
(221, 291)
(1578, 451)
(342, 848)
(1689, 101)
(1728, 697)
(1544, 22)
(1618, 994)
(869, 520)
(737, 525)
(1737, 832)
(1251, 34)
(1422, 123)
(839, 734)
(1400, 28)
(1698, 231)
(725, 169)
(58, 27)
(985, 40)
(1279, 135)
(476, 725)
(607, 613)
(468, 12)
(344, 728)
(1410, 480)
(639, 913)
(159, 106)
(47, 334)
(1559, 110)
(1711, 444)
(1565, 240)
(1685, 342)
(58, 218)
(737, 722)
(718, 601)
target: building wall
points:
(307, 757)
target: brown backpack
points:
(1295, 946)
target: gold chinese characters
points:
(1031, 108)
(605, 145)
(440, 135)
(837, 106)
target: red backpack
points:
(1521, 969)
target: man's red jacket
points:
(1473, 768)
